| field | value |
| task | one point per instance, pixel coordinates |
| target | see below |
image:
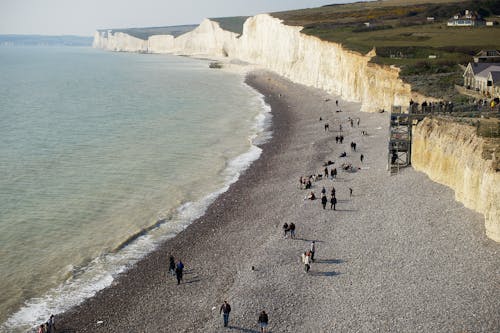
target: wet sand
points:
(400, 255)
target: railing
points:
(447, 108)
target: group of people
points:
(324, 199)
(289, 229)
(351, 121)
(225, 310)
(49, 326)
(305, 182)
(176, 269)
(307, 257)
(332, 172)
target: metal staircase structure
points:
(400, 134)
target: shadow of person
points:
(332, 273)
(329, 261)
(242, 329)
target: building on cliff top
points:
(466, 18)
(487, 56)
(483, 77)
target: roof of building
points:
(495, 77)
(483, 68)
(488, 53)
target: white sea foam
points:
(100, 273)
(263, 123)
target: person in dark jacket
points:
(324, 200)
(263, 321)
(333, 202)
(225, 309)
(178, 271)
(286, 229)
(171, 265)
(292, 230)
(51, 324)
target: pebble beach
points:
(399, 255)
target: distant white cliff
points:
(119, 42)
(267, 42)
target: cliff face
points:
(267, 42)
(160, 43)
(452, 154)
(119, 42)
(207, 39)
(325, 65)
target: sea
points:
(104, 156)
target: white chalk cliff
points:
(452, 154)
(267, 42)
(119, 41)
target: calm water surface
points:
(94, 148)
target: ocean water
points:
(102, 157)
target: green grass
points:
(402, 36)
(426, 39)
(145, 33)
(233, 24)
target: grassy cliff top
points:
(145, 33)
(233, 24)
(397, 23)
(410, 34)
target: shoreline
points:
(193, 231)
(233, 167)
(242, 228)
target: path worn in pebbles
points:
(401, 255)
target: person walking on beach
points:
(312, 249)
(225, 309)
(333, 202)
(286, 228)
(171, 265)
(324, 200)
(51, 324)
(178, 271)
(263, 321)
(333, 191)
(350, 192)
(306, 260)
(362, 157)
(292, 230)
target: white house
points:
(466, 18)
(483, 77)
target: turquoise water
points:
(94, 148)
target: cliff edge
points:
(452, 154)
(267, 42)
